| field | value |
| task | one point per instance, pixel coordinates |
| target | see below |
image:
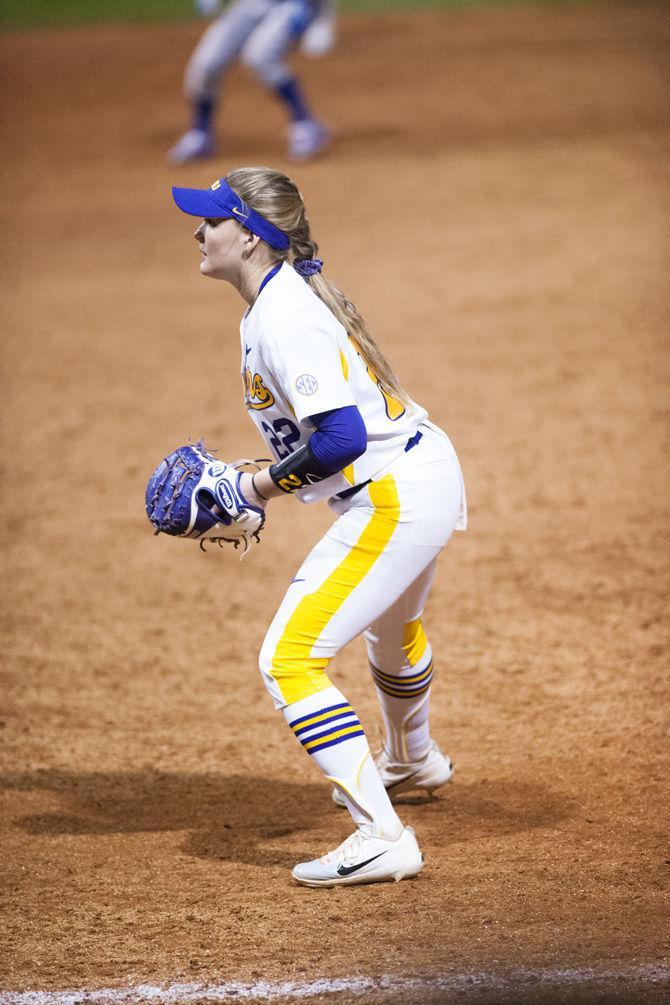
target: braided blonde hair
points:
(277, 198)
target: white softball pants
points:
(370, 574)
(258, 32)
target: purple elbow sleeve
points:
(340, 437)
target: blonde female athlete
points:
(341, 428)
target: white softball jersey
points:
(371, 572)
(297, 361)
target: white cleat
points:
(428, 774)
(196, 144)
(306, 139)
(364, 858)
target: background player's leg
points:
(265, 55)
(319, 39)
(217, 49)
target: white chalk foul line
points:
(235, 991)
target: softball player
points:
(259, 33)
(341, 428)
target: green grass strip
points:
(64, 13)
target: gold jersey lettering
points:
(256, 394)
(394, 407)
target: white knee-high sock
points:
(331, 733)
(405, 702)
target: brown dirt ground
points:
(493, 201)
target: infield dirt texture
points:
(494, 203)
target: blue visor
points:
(220, 201)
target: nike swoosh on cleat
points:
(347, 870)
(401, 781)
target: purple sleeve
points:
(340, 437)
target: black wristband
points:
(297, 470)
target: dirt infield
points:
(493, 202)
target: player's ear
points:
(251, 242)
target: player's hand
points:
(207, 8)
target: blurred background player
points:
(259, 33)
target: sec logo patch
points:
(307, 384)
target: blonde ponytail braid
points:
(277, 198)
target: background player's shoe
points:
(428, 774)
(363, 858)
(194, 145)
(306, 139)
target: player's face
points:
(221, 243)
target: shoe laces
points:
(349, 851)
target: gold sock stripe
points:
(403, 694)
(306, 723)
(414, 691)
(390, 679)
(335, 735)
